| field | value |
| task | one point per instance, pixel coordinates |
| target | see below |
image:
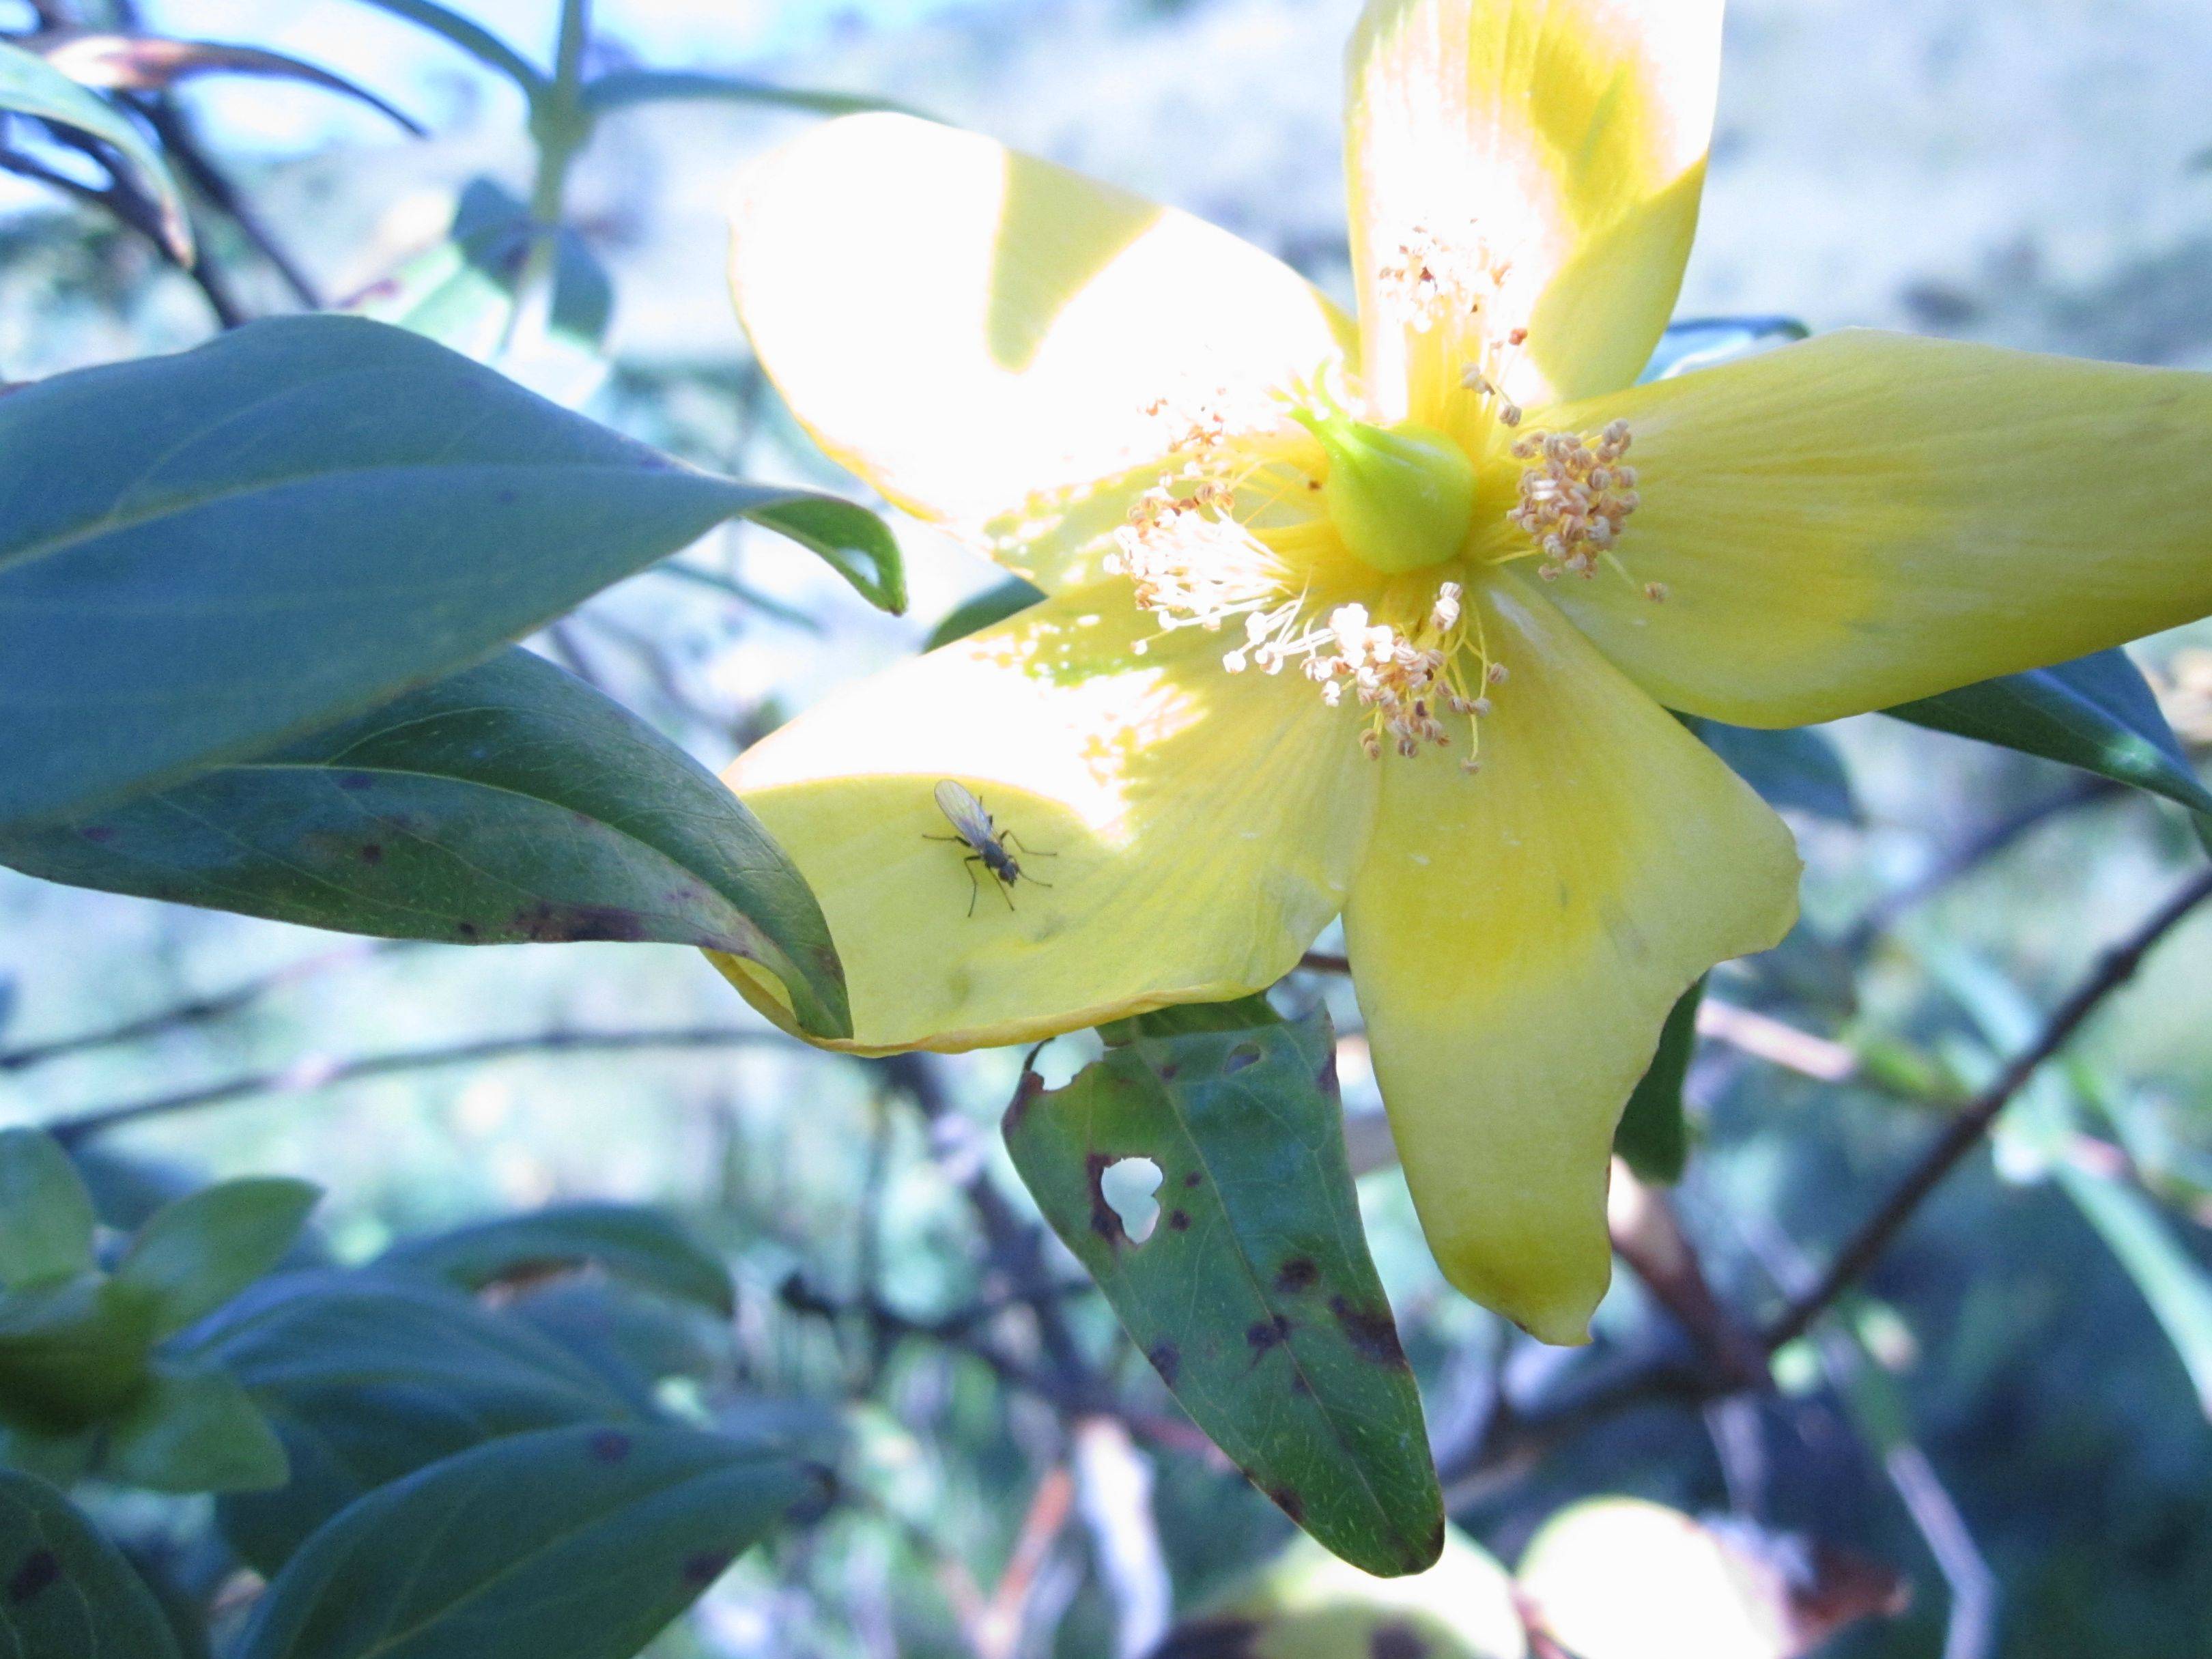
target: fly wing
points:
(965, 811)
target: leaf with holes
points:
(367, 1378)
(66, 1592)
(625, 1240)
(507, 803)
(31, 86)
(2095, 713)
(583, 1542)
(205, 555)
(1254, 1296)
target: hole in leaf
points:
(1127, 1185)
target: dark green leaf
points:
(1654, 1137)
(193, 1429)
(203, 556)
(994, 605)
(621, 89)
(45, 1212)
(367, 1378)
(66, 1592)
(479, 43)
(583, 1542)
(1254, 1296)
(31, 86)
(1697, 343)
(71, 1355)
(1794, 768)
(2094, 712)
(627, 1241)
(631, 1338)
(195, 1255)
(508, 802)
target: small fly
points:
(986, 843)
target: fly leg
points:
(974, 887)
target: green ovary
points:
(1402, 497)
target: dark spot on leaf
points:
(1396, 1641)
(372, 852)
(467, 930)
(548, 923)
(1243, 1055)
(1299, 1273)
(1326, 1077)
(1180, 1220)
(41, 1569)
(507, 498)
(98, 834)
(1372, 1331)
(1193, 1179)
(1168, 1072)
(1298, 1383)
(1263, 1334)
(610, 1445)
(1103, 1221)
(355, 780)
(1289, 1501)
(1167, 1360)
(704, 1568)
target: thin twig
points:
(196, 1011)
(173, 126)
(317, 1072)
(1965, 1131)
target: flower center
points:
(1402, 497)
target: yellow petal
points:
(1197, 828)
(986, 337)
(1517, 938)
(1563, 139)
(1866, 519)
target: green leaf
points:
(203, 556)
(367, 1378)
(583, 1542)
(1793, 767)
(70, 1356)
(1654, 1137)
(194, 1430)
(478, 42)
(509, 802)
(2172, 1282)
(2094, 712)
(626, 1241)
(196, 1253)
(463, 293)
(624, 89)
(66, 1592)
(45, 1212)
(1253, 1296)
(994, 605)
(31, 86)
(1697, 343)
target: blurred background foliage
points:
(2001, 1444)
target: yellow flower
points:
(1304, 576)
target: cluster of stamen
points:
(1203, 549)
(1428, 275)
(1409, 679)
(1575, 499)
